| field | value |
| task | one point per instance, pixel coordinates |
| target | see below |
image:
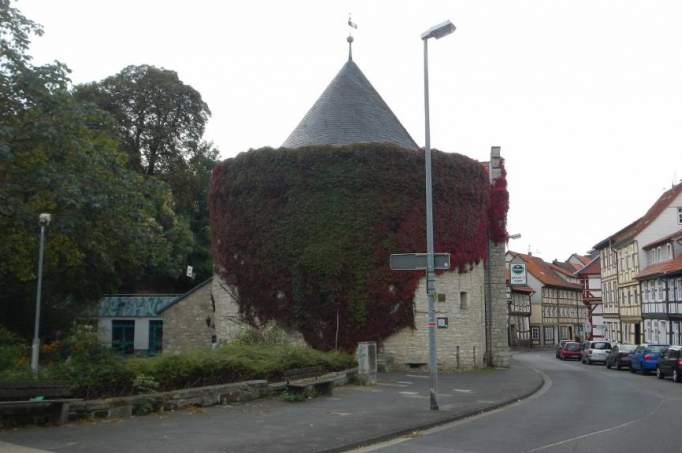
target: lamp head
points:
(44, 219)
(438, 31)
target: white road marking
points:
(405, 382)
(420, 376)
(409, 393)
(601, 431)
(389, 443)
(463, 390)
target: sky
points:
(583, 96)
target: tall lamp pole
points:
(44, 220)
(437, 32)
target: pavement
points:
(580, 408)
(354, 416)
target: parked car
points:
(595, 351)
(570, 350)
(561, 345)
(620, 356)
(670, 364)
(645, 357)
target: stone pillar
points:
(498, 316)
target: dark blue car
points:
(645, 357)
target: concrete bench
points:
(302, 380)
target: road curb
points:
(432, 424)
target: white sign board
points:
(518, 274)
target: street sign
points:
(417, 261)
(518, 274)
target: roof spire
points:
(352, 25)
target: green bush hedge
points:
(96, 371)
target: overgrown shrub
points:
(93, 369)
(13, 351)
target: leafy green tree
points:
(159, 119)
(111, 225)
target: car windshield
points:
(657, 348)
(626, 348)
(601, 345)
(572, 346)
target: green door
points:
(123, 336)
(155, 336)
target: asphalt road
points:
(581, 408)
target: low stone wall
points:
(212, 395)
(126, 406)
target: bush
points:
(93, 369)
(13, 352)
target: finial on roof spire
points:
(352, 26)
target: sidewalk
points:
(353, 416)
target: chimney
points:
(495, 164)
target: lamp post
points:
(437, 32)
(44, 220)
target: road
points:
(581, 408)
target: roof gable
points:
(349, 111)
(545, 272)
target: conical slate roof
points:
(349, 111)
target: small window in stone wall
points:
(463, 300)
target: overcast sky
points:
(583, 96)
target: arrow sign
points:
(417, 261)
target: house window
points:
(549, 334)
(463, 300)
(123, 336)
(155, 336)
(679, 215)
(535, 333)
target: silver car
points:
(595, 351)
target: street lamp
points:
(437, 32)
(44, 220)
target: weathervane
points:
(352, 25)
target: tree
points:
(160, 120)
(60, 155)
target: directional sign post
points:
(417, 261)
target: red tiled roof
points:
(667, 267)
(545, 273)
(522, 289)
(585, 259)
(675, 235)
(594, 267)
(565, 268)
(640, 224)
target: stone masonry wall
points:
(228, 323)
(465, 324)
(498, 290)
(188, 324)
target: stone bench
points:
(305, 380)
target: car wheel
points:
(618, 366)
(642, 369)
(659, 373)
(676, 376)
(632, 370)
(608, 365)
(589, 361)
